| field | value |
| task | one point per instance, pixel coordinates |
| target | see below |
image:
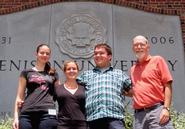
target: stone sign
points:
(72, 29)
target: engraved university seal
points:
(77, 35)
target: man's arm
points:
(165, 114)
(168, 94)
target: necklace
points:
(70, 87)
(71, 90)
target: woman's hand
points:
(15, 124)
(20, 103)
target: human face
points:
(43, 54)
(71, 70)
(101, 57)
(140, 48)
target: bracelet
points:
(168, 109)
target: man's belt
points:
(149, 108)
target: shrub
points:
(178, 119)
(128, 117)
(6, 123)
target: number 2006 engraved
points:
(161, 40)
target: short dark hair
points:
(104, 45)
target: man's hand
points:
(128, 93)
(164, 116)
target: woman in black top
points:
(71, 100)
(36, 107)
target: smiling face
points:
(140, 48)
(101, 57)
(43, 54)
(71, 70)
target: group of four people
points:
(95, 98)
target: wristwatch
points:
(168, 109)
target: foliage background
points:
(178, 119)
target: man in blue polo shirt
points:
(104, 91)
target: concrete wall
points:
(72, 29)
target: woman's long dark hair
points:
(47, 68)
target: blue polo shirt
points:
(104, 92)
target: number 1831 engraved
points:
(5, 40)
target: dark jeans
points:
(37, 121)
(106, 123)
(71, 127)
(71, 124)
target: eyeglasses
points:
(141, 45)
